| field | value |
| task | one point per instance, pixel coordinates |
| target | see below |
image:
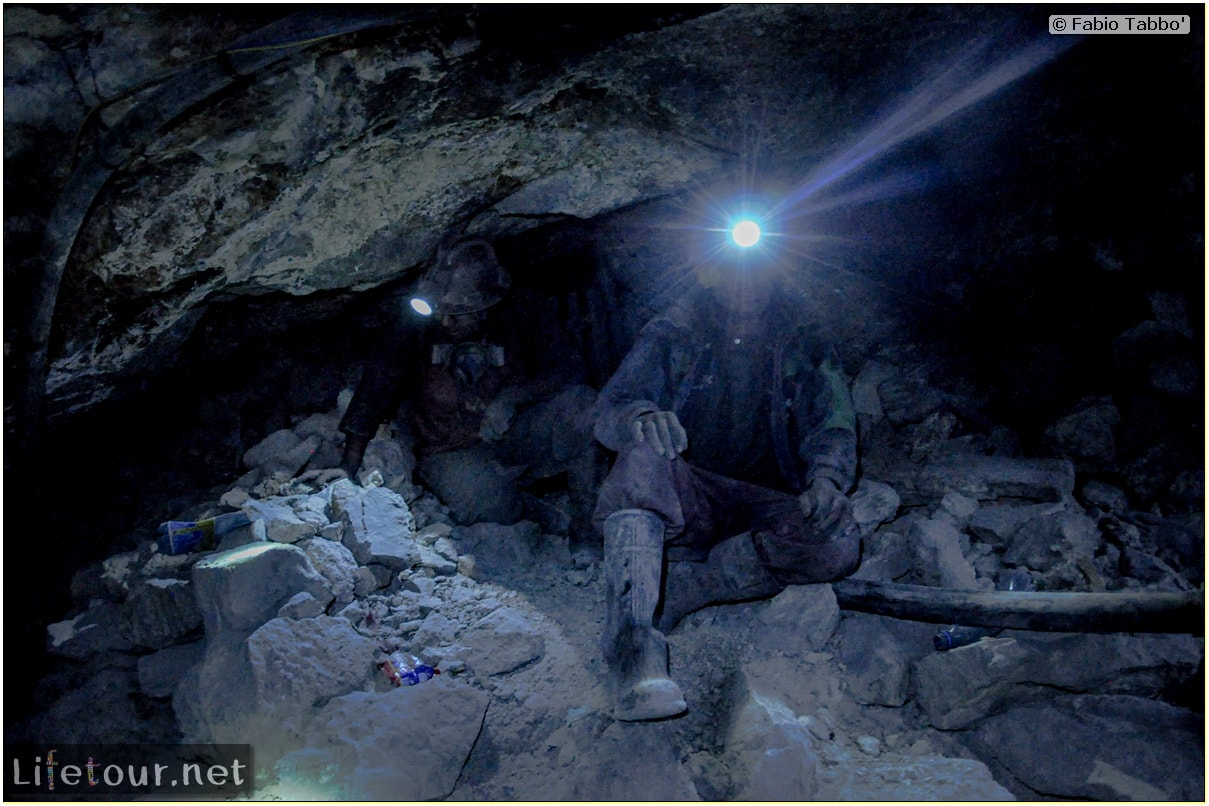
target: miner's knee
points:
(798, 563)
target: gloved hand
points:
(663, 431)
(497, 419)
(823, 504)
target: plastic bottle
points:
(1016, 579)
(957, 636)
(406, 670)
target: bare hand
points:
(663, 431)
(824, 504)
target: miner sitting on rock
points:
(736, 445)
(489, 414)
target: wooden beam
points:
(1047, 611)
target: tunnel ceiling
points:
(331, 152)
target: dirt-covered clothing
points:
(771, 407)
(449, 384)
(767, 411)
(449, 387)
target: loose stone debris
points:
(276, 638)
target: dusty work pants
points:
(700, 509)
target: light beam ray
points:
(933, 102)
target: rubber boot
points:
(634, 649)
(733, 572)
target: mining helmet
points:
(466, 279)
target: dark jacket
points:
(771, 407)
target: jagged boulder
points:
(441, 558)
(474, 485)
(436, 630)
(865, 398)
(1100, 496)
(801, 618)
(877, 654)
(283, 451)
(957, 509)
(772, 753)
(335, 563)
(237, 592)
(159, 612)
(1113, 748)
(887, 555)
(497, 548)
(392, 459)
(118, 573)
(1159, 354)
(241, 589)
(995, 524)
(325, 427)
(939, 559)
(407, 744)
(102, 707)
(913, 778)
(264, 689)
(301, 606)
(297, 665)
(378, 525)
(214, 698)
(1152, 473)
(983, 478)
(1060, 548)
(960, 687)
(907, 397)
(1087, 435)
(281, 523)
(96, 630)
(873, 503)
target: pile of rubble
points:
(277, 637)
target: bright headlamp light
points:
(745, 233)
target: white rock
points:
(241, 589)
(869, 745)
(335, 563)
(379, 527)
(772, 753)
(282, 524)
(407, 744)
(235, 497)
(119, 569)
(301, 606)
